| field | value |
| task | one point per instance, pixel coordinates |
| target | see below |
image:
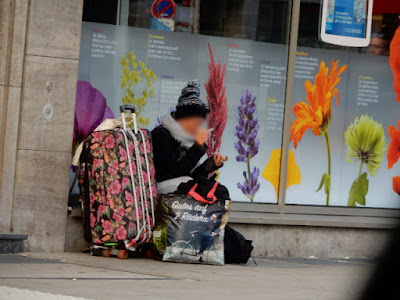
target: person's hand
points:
(219, 159)
(201, 137)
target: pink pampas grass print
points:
(217, 102)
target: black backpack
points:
(237, 248)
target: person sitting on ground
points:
(180, 142)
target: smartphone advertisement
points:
(346, 22)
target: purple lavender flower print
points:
(248, 144)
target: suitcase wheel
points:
(106, 252)
(122, 254)
(96, 251)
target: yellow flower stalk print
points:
(315, 113)
(134, 72)
(272, 170)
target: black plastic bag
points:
(237, 249)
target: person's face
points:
(378, 46)
(192, 125)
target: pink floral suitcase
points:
(118, 189)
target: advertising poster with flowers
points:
(342, 120)
(148, 68)
(344, 130)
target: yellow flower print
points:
(271, 171)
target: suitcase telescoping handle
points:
(132, 110)
(210, 194)
(124, 108)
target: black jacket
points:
(172, 160)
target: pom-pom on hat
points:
(189, 103)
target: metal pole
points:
(118, 12)
(293, 34)
(123, 12)
(196, 25)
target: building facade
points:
(316, 175)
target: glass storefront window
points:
(344, 117)
(236, 49)
(340, 132)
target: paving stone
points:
(7, 293)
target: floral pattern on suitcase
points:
(113, 212)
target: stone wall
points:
(322, 242)
(39, 52)
(285, 240)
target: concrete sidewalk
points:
(85, 276)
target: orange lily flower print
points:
(315, 113)
(396, 184)
(393, 153)
(395, 62)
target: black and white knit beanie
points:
(189, 103)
